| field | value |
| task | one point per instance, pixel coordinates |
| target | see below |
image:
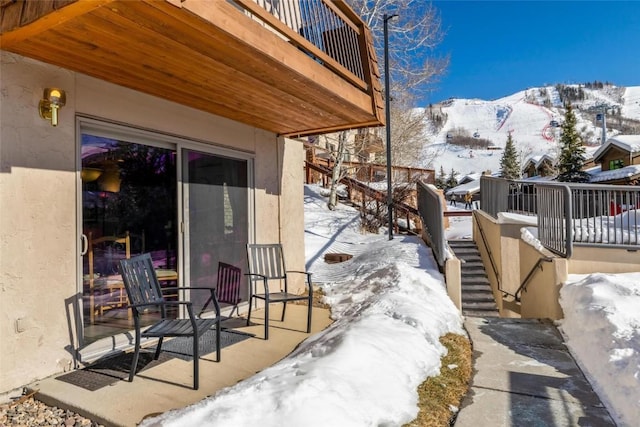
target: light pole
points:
(387, 97)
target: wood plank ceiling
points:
(204, 54)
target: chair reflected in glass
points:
(144, 292)
(104, 284)
(266, 265)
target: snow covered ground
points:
(390, 307)
(602, 330)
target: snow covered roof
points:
(598, 175)
(470, 177)
(533, 160)
(543, 158)
(630, 143)
(469, 187)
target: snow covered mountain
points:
(468, 135)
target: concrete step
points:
(477, 298)
(466, 251)
(478, 306)
(476, 280)
(473, 272)
(477, 288)
(481, 313)
(462, 243)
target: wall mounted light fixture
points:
(53, 100)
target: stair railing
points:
(493, 264)
(525, 282)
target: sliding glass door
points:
(148, 193)
(129, 207)
(216, 218)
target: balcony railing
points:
(330, 32)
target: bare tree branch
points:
(413, 36)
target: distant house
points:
(619, 160)
(539, 166)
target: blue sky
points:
(500, 47)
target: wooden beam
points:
(10, 37)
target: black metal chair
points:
(144, 291)
(227, 288)
(266, 264)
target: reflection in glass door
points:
(216, 218)
(129, 207)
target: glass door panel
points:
(216, 217)
(129, 207)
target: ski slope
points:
(528, 122)
(631, 106)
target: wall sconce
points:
(53, 99)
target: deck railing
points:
(569, 213)
(328, 31)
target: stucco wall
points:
(37, 224)
(39, 246)
(541, 298)
(587, 260)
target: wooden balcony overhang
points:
(232, 60)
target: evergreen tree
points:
(441, 179)
(572, 152)
(509, 161)
(452, 181)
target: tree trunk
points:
(336, 175)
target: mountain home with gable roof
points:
(619, 160)
(156, 127)
(539, 166)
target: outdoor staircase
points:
(477, 297)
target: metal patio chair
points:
(266, 265)
(144, 292)
(227, 288)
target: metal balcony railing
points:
(328, 31)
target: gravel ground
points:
(31, 412)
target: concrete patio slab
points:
(168, 385)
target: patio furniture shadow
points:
(108, 370)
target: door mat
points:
(107, 371)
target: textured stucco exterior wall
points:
(39, 243)
(586, 259)
(37, 223)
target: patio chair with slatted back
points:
(266, 265)
(144, 291)
(227, 288)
